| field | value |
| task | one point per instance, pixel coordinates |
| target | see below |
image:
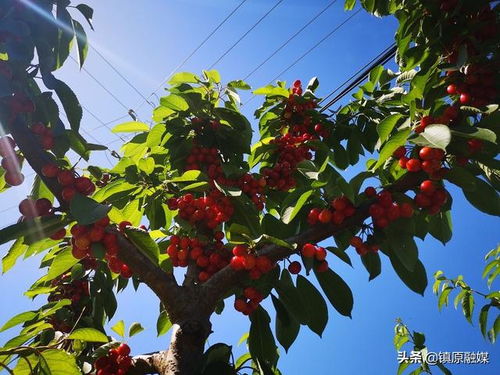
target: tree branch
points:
(151, 363)
(217, 286)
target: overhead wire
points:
(246, 33)
(284, 44)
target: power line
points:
(246, 33)
(290, 39)
(102, 85)
(118, 72)
(333, 31)
(360, 75)
(194, 51)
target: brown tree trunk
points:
(185, 353)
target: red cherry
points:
(123, 350)
(320, 253)
(322, 267)
(356, 241)
(451, 89)
(50, 170)
(406, 210)
(308, 250)
(240, 250)
(236, 263)
(68, 193)
(464, 98)
(27, 208)
(413, 165)
(59, 235)
(14, 179)
(325, 216)
(427, 187)
(294, 267)
(370, 192)
(123, 225)
(43, 206)
(339, 204)
(219, 236)
(65, 178)
(426, 153)
(312, 217)
(104, 222)
(240, 305)
(399, 153)
(425, 121)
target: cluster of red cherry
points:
(10, 162)
(117, 361)
(244, 259)
(84, 236)
(340, 209)
(209, 211)
(75, 290)
(428, 159)
(70, 182)
(249, 301)
(385, 209)
(200, 125)
(475, 86)
(209, 257)
(364, 247)
(18, 103)
(44, 134)
(318, 253)
(291, 151)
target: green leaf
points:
(119, 328)
(61, 263)
(270, 239)
(143, 241)
(175, 102)
(36, 228)
(400, 239)
(81, 42)
(475, 132)
(17, 249)
(372, 263)
(349, 4)
(212, 75)
(484, 198)
(435, 135)
(291, 298)
(468, 306)
(87, 12)
(188, 176)
(183, 77)
(70, 103)
(239, 84)
(163, 324)
(440, 226)
(483, 319)
(385, 127)
(53, 362)
(261, 342)
(135, 328)
(397, 140)
(18, 319)
(443, 297)
(337, 291)
(131, 127)
(462, 178)
(416, 280)
(88, 335)
(315, 305)
(292, 211)
(340, 254)
(86, 210)
(271, 90)
(287, 327)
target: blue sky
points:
(145, 41)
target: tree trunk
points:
(185, 353)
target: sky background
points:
(145, 41)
